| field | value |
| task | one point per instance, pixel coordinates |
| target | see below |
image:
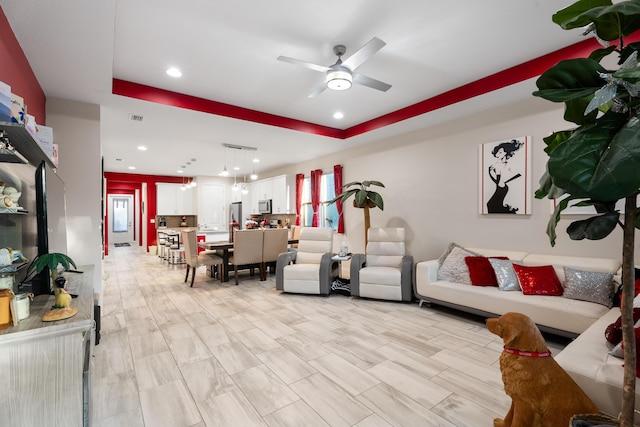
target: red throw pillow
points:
(635, 292)
(539, 280)
(613, 333)
(481, 271)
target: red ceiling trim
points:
(174, 99)
(496, 81)
(502, 79)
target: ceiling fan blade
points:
(305, 64)
(362, 54)
(318, 90)
(369, 82)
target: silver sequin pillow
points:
(590, 286)
(505, 274)
(453, 268)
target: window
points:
(120, 215)
(328, 214)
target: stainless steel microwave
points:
(264, 206)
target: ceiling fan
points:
(340, 75)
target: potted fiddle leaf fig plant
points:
(363, 197)
(597, 162)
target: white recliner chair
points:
(309, 269)
(385, 272)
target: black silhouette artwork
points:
(502, 173)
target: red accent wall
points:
(126, 183)
(17, 73)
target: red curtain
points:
(299, 184)
(316, 181)
(337, 186)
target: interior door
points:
(121, 219)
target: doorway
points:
(121, 220)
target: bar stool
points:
(175, 253)
(162, 242)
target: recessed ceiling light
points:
(142, 148)
(180, 171)
(256, 160)
(338, 115)
(118, 160)
(174, 72)
(132, 167)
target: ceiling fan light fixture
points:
(339, 79)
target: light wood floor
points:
(225, 355)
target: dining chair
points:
(276, 241)
(385, 272)
(295, 235)
(195, 260)
(247, 250)
(308, 269)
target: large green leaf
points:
(376, 199)
(548, 189)
(594, 228)
(611, 20)
(570, 79)
(370, 183)
(627, 51)
(555, 218)
(598, 54)
(631, 75)
(574, 111)
(571, 13)
(50, 260)
(555, 139)
(600, 161)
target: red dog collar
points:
(527, 353)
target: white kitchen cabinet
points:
(283, 194)
(172, 200)
(280, 190)
(260, 190)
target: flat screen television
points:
(51, 219)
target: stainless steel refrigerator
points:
(235, 213)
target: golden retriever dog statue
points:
(542, 393)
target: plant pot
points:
(368, 203)
(586, 420)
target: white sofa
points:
(599, 374)
(558, 315)
(586, 358)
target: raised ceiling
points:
(227, 53)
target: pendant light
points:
(235, 186)
(245, 189)
(254, 175)
(225, 171)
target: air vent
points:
(136, 117)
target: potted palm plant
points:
(598, 161)
(61, 308)
(363, 197)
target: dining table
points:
(224, 249)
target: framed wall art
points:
(505, 181)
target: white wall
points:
(76, 130)
(431, 179)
